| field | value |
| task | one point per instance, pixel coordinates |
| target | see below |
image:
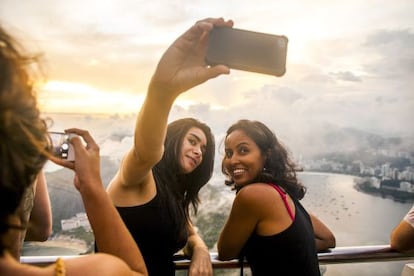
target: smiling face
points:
(243, 159)
(192, 150)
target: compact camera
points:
(61, 147)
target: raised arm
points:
(181, 67)
(109, 230)
(324, 237)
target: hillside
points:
(65, 199)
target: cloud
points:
(395, 57)
(350, 64)
(346, 76)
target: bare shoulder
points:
(255, 194)
(255, 190)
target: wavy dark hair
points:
(279, 167)
(183, 188)
(23, 134)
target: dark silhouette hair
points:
(278, 168)
(183, 188)
(23, 134)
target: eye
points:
(228, 153)
(192, 141)
(243, 150)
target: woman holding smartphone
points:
(161, 175)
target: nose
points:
(233, 159)
(197, 151)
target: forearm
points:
(324, 237)
(181, 67)
(200, 256)
(322, 245)
(110, 232)
(151, 123)
(194, 242)
(149, 135)
(39, 229)
(40, 223)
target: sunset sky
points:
(350, 63)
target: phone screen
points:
(61, 146)
(247, 50)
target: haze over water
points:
(356, 218)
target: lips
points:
(193, 161)
(238, 171)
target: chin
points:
(238, 185)
(241, 184)
(188, 170)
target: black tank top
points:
(290, 252)
(150, 225)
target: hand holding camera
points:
(87, 165)
(61, 146)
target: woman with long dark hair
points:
(161, 175)
(267, 223)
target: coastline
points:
(61, 245)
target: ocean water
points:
(44, 250)
(356, 218)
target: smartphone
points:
(61, 147)
(247, 50)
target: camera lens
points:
(65, 146)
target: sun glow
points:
(70, 97)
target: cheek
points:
(183, 150)
(259, 166)
(259, 170)
(180, 159)
(225, 163)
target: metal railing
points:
(338, 255)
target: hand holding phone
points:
(247, 50)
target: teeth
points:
(237, 171)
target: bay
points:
(355, 217)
